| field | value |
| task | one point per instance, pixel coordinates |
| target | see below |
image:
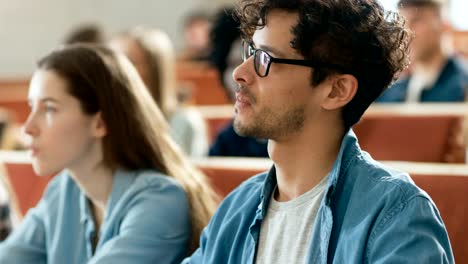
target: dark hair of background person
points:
(158, 69)
(356, 35)
(196, 27)
(196, 16)
(107, 83)
(225, 31)
(86, 33)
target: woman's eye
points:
(50, 109)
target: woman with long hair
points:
(125, 193)
(152, 53)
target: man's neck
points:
(302, 160)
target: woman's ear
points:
(99, 127)
(343, 89)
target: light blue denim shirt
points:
(146, 221)
(369, 214)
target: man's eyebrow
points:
(273, 50)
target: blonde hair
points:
(160, 57)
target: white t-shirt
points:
(420, 80)
(286, 230)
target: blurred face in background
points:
(135, 54)
(197, 36)
(427, 25)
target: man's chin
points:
(246, 130)
(241, 129)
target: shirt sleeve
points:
(412, 232)
(156, 229)
(188, 129)
(26, 244)
(198, 255)
(199, 142)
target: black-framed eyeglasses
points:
(263, 60)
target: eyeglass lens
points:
(261, 60)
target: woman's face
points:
(60, 134)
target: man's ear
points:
(99, 126)
(342, 90)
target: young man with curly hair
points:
(310, 69)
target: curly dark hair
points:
(354, 34)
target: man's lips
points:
(243, 98)
(33, 150)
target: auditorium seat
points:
(216, 117)
(202, 83)
(424, 133)
(27, 185)
(226, 174)
(14, 97)
(447, 184)
(408, 132)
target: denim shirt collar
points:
(346, 155)
(120, 184)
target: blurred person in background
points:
(435, 75)
(196, 30)
(152, 54)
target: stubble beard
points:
(267, 124)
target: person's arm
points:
(189, 131)
(199, 140)
(156, 229)
(27, 243)
(198, 255)
(412, 232)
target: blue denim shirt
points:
(450, 86)
(146, 221)
(369, 214)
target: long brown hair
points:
(138, 138)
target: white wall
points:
(30, 28)
(456, 11)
